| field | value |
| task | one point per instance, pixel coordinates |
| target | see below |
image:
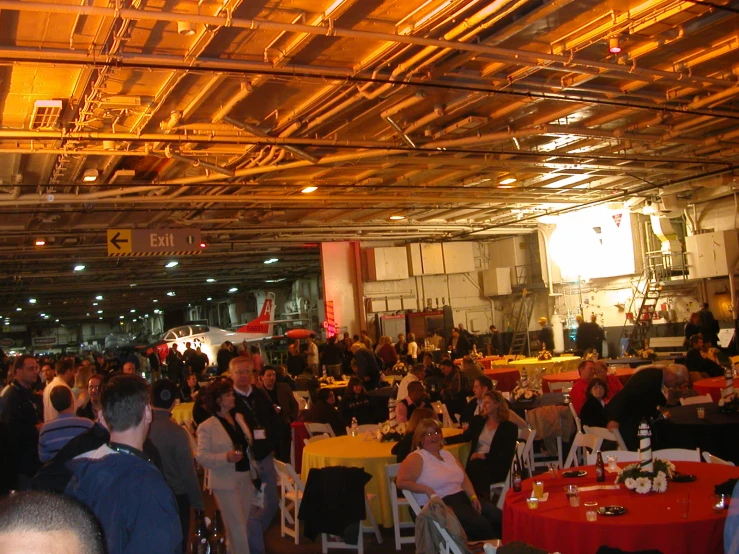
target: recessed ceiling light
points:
(31, 300)
(47, 316)
(100, 311)
(101, 317)
(95, 303)
(56, 320)
(211, 280)
(121, 317)
(99, 297)
(508, 181)
(397, 217)
(172, 264)
(171, 293)
(19, 309)
(155, 300)
(79, 267)
(209, 299)
(308, 190)
(40, 242)
(133, 311)
(42, 314)
(271, 261)
(233, 289)
(90, 175)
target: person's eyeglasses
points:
(433, 433)
(94, 387)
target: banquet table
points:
(337, 386)
(373, 456)
(485, 363)
(716, 433)
(507, 377)
(623, 374)
(633, 361)
(550, 366)
(652, 521)
(182, 412)
(710, 386)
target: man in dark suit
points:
(546, 335)
(589, 336)
(286, 408)
(480, 386)
(709, 325)
(696, 362)
(460, 344)
(640, 399)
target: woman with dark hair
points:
(404, 446)
(356, 403)
(593, 412)
(493, 443)
(692, 327)
(324, 411)
(222, 450)
(430, 470)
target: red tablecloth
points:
(486, 362)
(506, 377)
(652, 521)
(623, 374)
(710, 386)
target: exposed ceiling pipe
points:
(483, 139)
(254, 130)
(516, 56)
(198, 163)
(407, 103)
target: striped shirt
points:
(58, 432)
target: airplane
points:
(209, 339)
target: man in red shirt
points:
(579, 387)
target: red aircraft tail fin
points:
(262, 325)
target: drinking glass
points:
(683, 505)
(591, 511)
(573, 495)
(532, 503)
(553, 469)
(538, 489)
(612, 463)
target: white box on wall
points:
(496, 281)
(432, 259)
(712, 254)
(458, 257)
(387, 264)
(377, 305)
(394, 304)
(415, 265)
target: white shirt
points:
(485, 440)
(445, 476)
(403, 386)
(50, 412)
(413, 349)
(312, 357)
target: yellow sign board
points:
(119, 242)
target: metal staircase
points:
(646, 295)
(523, 307)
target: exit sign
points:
(153, 242)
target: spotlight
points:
(185, 28)
(90, 175)
(614, 45)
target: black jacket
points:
(593, 413)
(18, 413)
(502, 449)
(259, 413)
(403, 448)
(333, 499)
(357, 406)
(322, 412)
(695, 362)
(469, 411)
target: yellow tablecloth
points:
(182, 412)
(555, 365)
(336, 385)
(373, 456)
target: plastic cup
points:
(573, 495)
(701, 413)
(532, 503)
(538, 490)
(591, 511)
(683, 505)
(612, 463)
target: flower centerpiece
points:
(646, 353)
(648, 475)
(475, 354)
(389, 432)
(524, 394)
(544, 354)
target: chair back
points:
(711, 459)
(578, 423)
(316, 428)
(302, 397)
(527, 436)
(703, 399)
(290, 481)
(606, 434)
(623, 456)
(412, 502)
(678, 454)
(591, 442)
(448, 545)
(315, 438)
(559, 386)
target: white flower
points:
(659, 484)
(401, 428)
(630, 483)
(643, 485)
(528, 394)
(385, 429)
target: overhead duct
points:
(198, 163)
(254, 130)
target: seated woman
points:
(324, 411)
(593, 412)
(430, 470)
(404, 446)
(356, 403)
(493, 443)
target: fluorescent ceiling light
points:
(133, 311)
(210, 280)
(19, 309)
(90, 175)
(233, 289)
(99, 297)
(31, 300)
(79, 267)
(40, 242)
(171, 293)
(397, 217)
(95, 303)
(209, 298)
(508, 181)
(308, 190)
(271, 261)
(100, 311)
(172, 264)
(121, 317)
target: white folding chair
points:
(703, 399)
(558, 386)
(291, 493)
(678, 454)
(317, 428)
(330, 541)
(503, 486)
(447, 420)
(711, 459)
(302, 397)
(607, 435)
(578, 423)
(527, 456)
(315, 438)
(391, 472)
(544, 458)
(623, 456)
(586, 444)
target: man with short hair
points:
(415, 373)
(18, 414)
(56, 433)
(311, 355)
(366, 366)
(546, 335)
(365, 339)
(120, 484)
(48, 374)
(286, 409)
(453, 387)
(257, 409)
(460, 346)
(580, 386)
(415, 399)
(129, 368)
(175, 365)
(92, 407)
(198, 362)
(641, 397)
(696, 362)
(480, 386)
(173, 443)
(50, 523)
(65, 372)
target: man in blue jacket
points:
(120, 484)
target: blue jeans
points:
(268, 475)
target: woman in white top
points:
(431, 470)
(412, 357)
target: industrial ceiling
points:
(465, 118)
